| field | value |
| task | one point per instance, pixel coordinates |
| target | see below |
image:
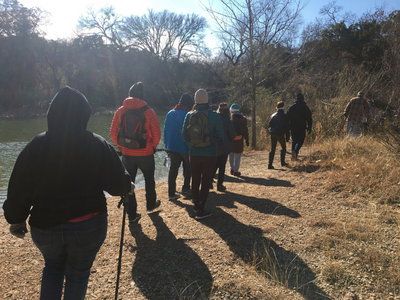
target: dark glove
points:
(18, 230)
(247, 143)
(154, 150)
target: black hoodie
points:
(61, 174)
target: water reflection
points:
(16, 133)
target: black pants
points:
(275, 138)
(221, 164)
(176, 160)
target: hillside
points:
(289, 233)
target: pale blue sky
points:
(65, 14)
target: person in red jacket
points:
(139, 158)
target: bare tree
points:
(165, 34)
(246, 28)
(105, 23)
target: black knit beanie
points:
(186, 100)
(300, 97)
(136, 91)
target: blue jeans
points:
(353, 128)
(147, 165)
(234, 161)
(298, 138)
(69, 250)
(176, 160)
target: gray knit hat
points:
(200, 97)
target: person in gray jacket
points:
(278, 127)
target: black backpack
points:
(132, 133)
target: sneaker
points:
(271, 167)
(221, 188)
(186, 192)
(200, 215)
(237, 173)
(135, 219)
(158, 203)
(174, 197)
(232, 172)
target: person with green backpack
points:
(202, 129)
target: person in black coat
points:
(229, 136)
(58, 181)
(278, 127)
(300, 120)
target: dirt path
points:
(258, 244)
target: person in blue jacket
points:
(203, 159)
(178, 150)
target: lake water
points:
(16, 133)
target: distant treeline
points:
(258, 63)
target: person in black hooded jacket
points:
(58, 180)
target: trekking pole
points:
(123, 201)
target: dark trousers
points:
(69, 250)
(202, 172)
(176, 160)
(146, 164)
(221, 165)
(298, 137)
(275, 138)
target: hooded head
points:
(69, 112)
(185, 103)
(137, 91)
(300, 97)
(201, 97)
(360, 94)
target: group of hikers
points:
(59, 178)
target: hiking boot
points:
(195, 210)
(232, 172)
(271, 167)
(186, 192)
(157, 204)
(174, 197)
(135, 219)
(202, 214)
(237, 173)
(294, 156)
(284, 164)
(221, 188)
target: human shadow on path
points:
(273, 261)
(166, 268)
(259, 181)
(262, 205)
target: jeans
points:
(69, 250)
(176, 160)
(353, 128)
(298, 138)
(146, 164)
(234, 161)
(221, 165)
(202, 171)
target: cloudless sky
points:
(65, 14)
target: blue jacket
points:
(216, 130)
(172, 131)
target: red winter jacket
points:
(152, 127)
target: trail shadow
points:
(262, 205)
(179, 273)
(259, 181)
(268, 258)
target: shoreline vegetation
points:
(326, 227)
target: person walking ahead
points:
(355, 109)
(242, 134)
(278, 127)
(202, 157)
(142, 156)
(178, 150)
(300, 120)
(59, 179)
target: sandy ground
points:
(258, 243)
